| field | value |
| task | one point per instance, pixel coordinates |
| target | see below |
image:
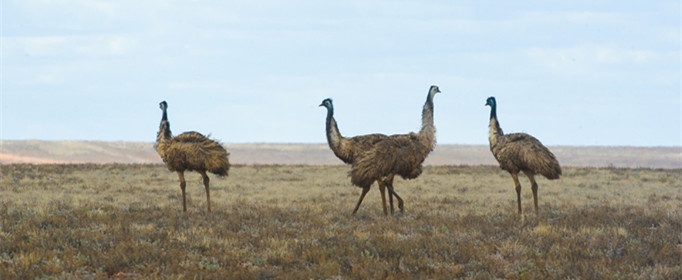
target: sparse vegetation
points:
(293, 222)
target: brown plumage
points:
(520, 152)
(349, 149)
(401, 154)
(190, 151)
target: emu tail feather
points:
(545, 163)
(219, 166)
(217, 159)
(551, 169)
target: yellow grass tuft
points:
(293, 222)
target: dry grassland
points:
(293, 222)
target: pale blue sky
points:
(569, 72)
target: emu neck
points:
(164, 129)
(495, 129)
(164, 117)
(428, 130)
(333, 135)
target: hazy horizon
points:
(582, 73)
(322, 143)
(45, 152)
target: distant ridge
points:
(46, 152)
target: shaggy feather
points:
(398, 155)
(522, 152)
(401, 154)
(193, 151)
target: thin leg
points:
(382, 189)
(362, 196)
(208, 193)
(534, 187)
(389, 184)
(390, 195)
(181, 174)
(518, 189)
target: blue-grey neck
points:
(164, 127)
(330, 110)
(493, 111)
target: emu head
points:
(490, 102)
(163, 105)
(327, 103)
(433, 90)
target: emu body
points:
(349, 149)
(190, 151)
(520, 152)
(400, 154)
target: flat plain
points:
(40, 151)
(125, 221)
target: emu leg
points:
(208, 193)
(385, 181)
(392, 191)
(362, 196)
(515, 176)
(534, 187)
(382, 189)
(390, 195)
(181, 174)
